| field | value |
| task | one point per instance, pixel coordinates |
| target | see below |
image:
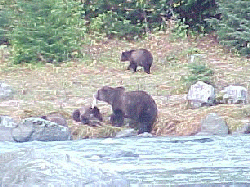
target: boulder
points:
(6, 125)
(7, 121)
(234, 94)
(197, 58)
(6, 92)
(23, 132)
(57, 118)
(201, 94)
(126, 133)
(245, 129)
(38, 129)
(213, 124)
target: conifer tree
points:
(234, 27)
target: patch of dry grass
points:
(45, 88)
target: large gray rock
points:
(201, 94)
(6, 125)
(235, 94)
(57, 118)
(6, 121)
(213, 125)
(38, 129)
(126, 133)
(197, 58)
(6, 91)
(245, 129)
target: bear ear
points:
(97, 113)
(120, 88)
(44, 117)
(106, 88)
(76, 115)
(131, 51)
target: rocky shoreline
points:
(54, 127)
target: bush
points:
(45, 30)
(234, 28)
(194, 12)
(4, 24)
(198, 72)
(125, 19)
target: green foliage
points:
(4, 23)
(180, 29)
(124, 19)
(111, 24)
(234, 28)
(198, 72)
(45, 30)
(193, 14)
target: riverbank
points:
(44, 88)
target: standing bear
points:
(136, 105)
(139, 57)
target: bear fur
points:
(135, 105)
(57, 118)
(139, 57)
(88, 115)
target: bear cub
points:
(88, 115)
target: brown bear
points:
(139, 57)
(88, 115)
(135, 105)
(57, 118)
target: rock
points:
(245, 129)
(126, 133)
(213, 125)
(197, 58)
(7, 121)
(57, 118)
(23, 132)
(6, 92)
(235, 94)
(145, 134)
(6, 126)
(38, 129)
(201, 94)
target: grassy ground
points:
(42, 89)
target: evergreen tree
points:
(194, 12)
(234, 27)
(45, 30)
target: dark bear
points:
(139, 57)
(88, 115)
(57, 118)
(135, 105)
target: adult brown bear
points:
(139, 57)
(136, 105)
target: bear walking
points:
(139, 57)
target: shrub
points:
(45, 30)
(234, 27)
(194, 12)
(198, 72)
(4, 24)
(125, 19)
